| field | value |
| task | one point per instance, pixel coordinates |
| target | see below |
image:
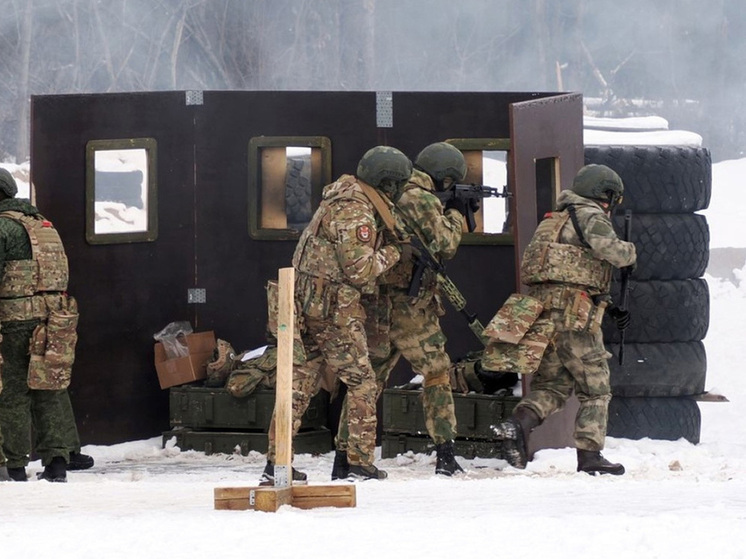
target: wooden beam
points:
(269, 499)
(284, 383)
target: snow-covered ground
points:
(677, 500)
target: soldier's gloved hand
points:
(474, 205)
(621, 317)
(456, 204)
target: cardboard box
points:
(181, 370)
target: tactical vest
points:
(547, 261)
(316, 255)
(29, 287)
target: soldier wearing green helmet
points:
(348, 244)
(567, 265)
(399, 325)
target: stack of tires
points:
(664, 362)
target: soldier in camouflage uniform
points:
(48, 411)
(568, 265)
(402, 325)
(347, 245)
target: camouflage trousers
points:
(344, 349)
(574, 361)
(414, 332)
(45, 414)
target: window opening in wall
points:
(547, 187)
(286, 178)
(120, 191)
(495, 174)
(487, 165)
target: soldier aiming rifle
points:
(467, 198)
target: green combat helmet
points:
(385, 168)
(441, 160)
(598, 182)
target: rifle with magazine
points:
(424, 259)
(467, 198)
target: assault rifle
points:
(626, 273)
(425, 259)
(470, 195)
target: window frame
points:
(487, 144)
(256, 144)
(150, 145)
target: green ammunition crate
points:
(315, 441)
(475, 413)
(393, 444)
(198, 407)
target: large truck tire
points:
(659, 179)
(669, 246)
(663, 311)
(658, 370)
(668, 419)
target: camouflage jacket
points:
(419, 212)
(597, 230)
(341, 252)
(558, 255)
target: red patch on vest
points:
(548, 214)
(363, 233)
(46, 223)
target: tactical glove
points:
(621, 317)
(456, 204)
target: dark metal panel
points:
(126, 292)
(545, 128)
(231, 266)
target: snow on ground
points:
(676, 500)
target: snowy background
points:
(676, 500)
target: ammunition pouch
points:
(518, 336)
(579, 313)
(52, 348)
(514, 318)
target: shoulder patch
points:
(364, 233)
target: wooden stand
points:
(271, 498)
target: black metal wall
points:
(127, 292)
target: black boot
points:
(79, 461)
(445, 461)
(341, 467)
(365, 472)
(593, 462)
(514, 435)
(17, 474)
(55, 471)
(4, 475)
(268, 476)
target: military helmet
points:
(384, 164)
(598, 182)
(441, 160)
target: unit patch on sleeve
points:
(364, 234)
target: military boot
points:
(445, 461)
(4, 475)
(17, 474)
(79, 461)
(341, 467)
(514, 435)
(55, 471)
(593, 462)
(268, 476)
(362, 473)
